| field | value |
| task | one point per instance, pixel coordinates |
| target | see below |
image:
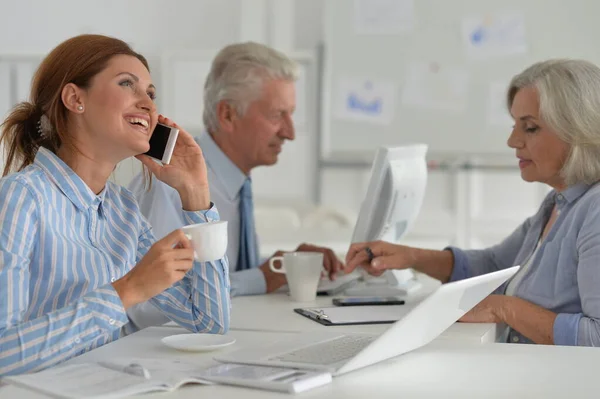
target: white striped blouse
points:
(61, 246)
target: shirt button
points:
(111, 321)
(77, 340)
(515, 339)
(112, 280)
(560, 197)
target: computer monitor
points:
(390, 207)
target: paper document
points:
(435, 86)
(116, 378)
(341, 315)
(82, 381)
(366, 100)
(384, 17)
(491, 36)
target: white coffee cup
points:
(302, 271)
(209, 240)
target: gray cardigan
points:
(564, 275)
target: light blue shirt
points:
(564, 274)
(61, 246)
(162, 207)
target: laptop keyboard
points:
(329, 352)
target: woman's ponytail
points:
(20, 137)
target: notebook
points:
(121, 377)
(98, 380)
(352, 315)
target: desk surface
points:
(441, 369)
(274, 312)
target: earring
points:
(80, 108)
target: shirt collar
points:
(572, 193)
(67, 180)
(226, 171)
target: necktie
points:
(248, 256)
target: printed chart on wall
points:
(491, 36)
(431, 85)
(376, 17)
(366, 100)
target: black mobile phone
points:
(162, 142)
(368, 300)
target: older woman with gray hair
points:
(555, 296)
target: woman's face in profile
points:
(540, 152)
(120, 113)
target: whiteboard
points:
(441, 91)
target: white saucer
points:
(197, 342)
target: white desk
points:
(274, 312)
(442, 369)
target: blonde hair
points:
(237, 75)
(569, 94)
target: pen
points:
(369, 254)
(317, 314)
(135, 369)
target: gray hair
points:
(237, 75)
(569, 94)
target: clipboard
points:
(354, 315)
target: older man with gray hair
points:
(249, 99)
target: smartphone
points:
(162, 143)
(368, 300)
(263, 377)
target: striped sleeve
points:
(200, 301)
(33, 344)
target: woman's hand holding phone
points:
(186, 172)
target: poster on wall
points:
(383, 17)
(363, 99)
(491, 36)
(497, 112)
(435, 86)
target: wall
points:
(471, 209)
(31, 28)
(156, 28)
(151, 26)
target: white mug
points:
(208, 239)
(302, 271)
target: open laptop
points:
(340, 353)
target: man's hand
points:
(273, 280)
(331, 264)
